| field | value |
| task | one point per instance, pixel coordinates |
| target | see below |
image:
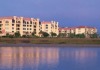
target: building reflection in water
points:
(20, 57)
(17, 58)
(79, 55)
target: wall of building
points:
(19, 24)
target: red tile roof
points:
(64, 29)
(27, 19)
(46, 22)
(7, 17)
(84, 27)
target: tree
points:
(45, 34)
(0, 33)
(80, 36)
(71, 35)
(94, 35)
(33, 33)
(53, 34)
(7, 34)
(17, 34)
(24, 36)
(62, 35)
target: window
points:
(34, 26)
(13, 21)
(0, 25)
(7, 21)
(35, 23)
(18, 29)
(18, 25)
(13, 31)
(46, 27)
(30, 29)
(24, 21)
(0, 21)
(24, 28)
(34, 30)
(24, 25)
(12, 24)
(18, 21)
(27, 25)
(30, 22)
(12, 27)
(27, 22)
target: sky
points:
(67, 12)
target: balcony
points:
(17, 25)
(17, 28)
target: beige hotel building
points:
(50, 27)
(86, 30)
(26, 25)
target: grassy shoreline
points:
(50, 41)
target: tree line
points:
(45, 34)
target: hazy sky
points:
(66, 12)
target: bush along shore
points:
(50, 40)
(46, 39)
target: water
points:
(49, 58)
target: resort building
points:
(87, 31)
(65, 31)
(19, 24)
(49, 27)
(27, 26)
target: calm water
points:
(51, 58)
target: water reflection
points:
(79, 55)
(19, 57)
(35, 58)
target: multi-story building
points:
(18, 24)
(29, 25)
(65, 31)
(78, 30)
(86, 30)
(49, 27)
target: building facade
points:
(26, 26)
(19, 24)
(49, 27)
(87, 31)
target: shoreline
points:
(51, 45)
(51, 40)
